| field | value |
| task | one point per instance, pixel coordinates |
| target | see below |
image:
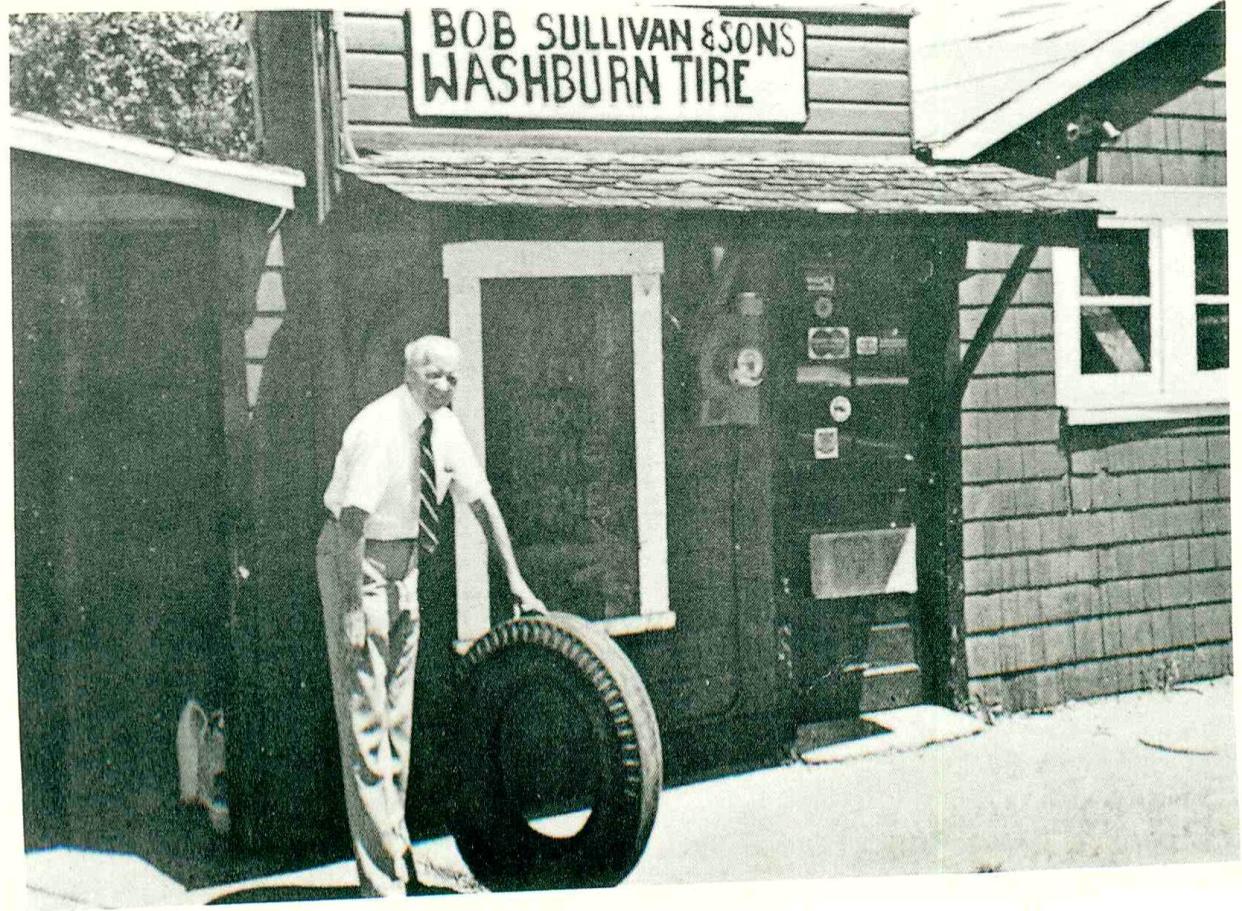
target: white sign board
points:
(669, 64)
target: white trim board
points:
(1151, 201)
(466, 266)
(1075, 416)
(262, 183)
(1066, 80)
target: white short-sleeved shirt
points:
(377, 465)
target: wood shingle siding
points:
(1093, 558)
(858, 83)
(1182, 141)
(268, 318)
(1096, 560)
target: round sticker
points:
(748, 368)
(840, 408)
(824, 306)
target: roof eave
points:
(265, 184)
(1029, 104)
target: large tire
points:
(513, 679)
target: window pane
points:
(1117, 264)
(1116, 339)
(1212, 335)
(559, 437)
(1212, 261)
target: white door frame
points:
(466, 266)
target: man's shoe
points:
(432, 879)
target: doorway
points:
(846, 427)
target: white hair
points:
(422, 348)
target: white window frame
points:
(466, 266)
(1174, 387)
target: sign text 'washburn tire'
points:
(651, 63)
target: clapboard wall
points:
(858, 83)
(1096, 559)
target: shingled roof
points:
(713, 181)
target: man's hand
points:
(525, 601)
(349, 566)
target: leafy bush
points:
(181, 78)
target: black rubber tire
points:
(495, 839)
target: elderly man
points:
(399, 457)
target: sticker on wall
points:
(840, 408)
(827, 443)
(821, 280)
(894, 345)
(824, 305)
(866, 345)
(827, 343)
(824, 375)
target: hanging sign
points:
(523, 60)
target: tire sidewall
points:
(495, 839)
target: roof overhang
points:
(713, 181)
(271, 185)
(1063, 82)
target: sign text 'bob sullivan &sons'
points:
(635, 63)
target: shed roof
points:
(713, 181)
(979, 71)
(270, 184)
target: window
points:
(1211, 298)
(594, 409)
(1142, 308)
(1114, 294)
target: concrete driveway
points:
(1144, 778)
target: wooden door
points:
(845, 524)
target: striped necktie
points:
(428, 516)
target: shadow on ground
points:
(258, 894)
(176, 840)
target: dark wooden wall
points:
(129, 297)
(376, 283)
(1095, 558)
(858, 82)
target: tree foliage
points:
(181, 78)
